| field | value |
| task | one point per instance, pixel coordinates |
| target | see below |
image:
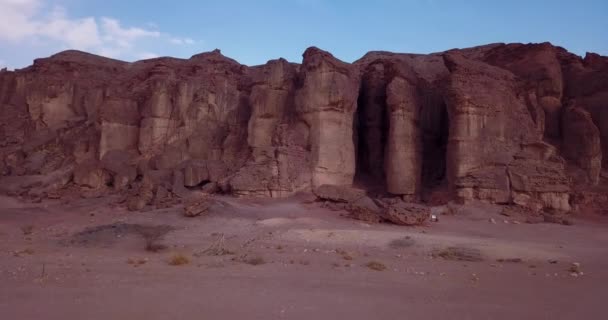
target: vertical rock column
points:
(119, 125)
(403, 150)
(488, 125)
(581, 142)
(269, 100)
(157, 124)
(266, 173)
(327, 101)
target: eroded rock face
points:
(581, 143)
(403, 162)
(508, 124)
(327, 101)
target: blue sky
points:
(253, 32)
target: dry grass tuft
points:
(251, 260)
(152, 246)
(255, 261)
(136, 262)
(510, 260)
(345, 254)
(27, 230)
(376, 266)
(20, 253)
(459, 254)
(405, 242)
(179, 259)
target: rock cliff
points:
(517, 124)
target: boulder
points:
(91, 175)
(407, 214)
(121, 165)
(198, 206)
(581, 143)
(143, 196)
(364, 209)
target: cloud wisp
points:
(32, 23)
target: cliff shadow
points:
(434, 129)
(370, 127)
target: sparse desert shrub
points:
(405, 242)
(459, 254)
(345, 254)
(27, 230)
(152, 246)
(152, 237)
(510, 260)
(179, 259)
(376, 266)
(255, 261)
(20, 253)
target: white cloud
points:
(182, 41)
(31, 22)
(114, 33)
(15, 22)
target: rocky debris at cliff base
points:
(342, 194)
(407, 214)
(198, 206)
(361, 207)
(364, 209)
(142, 196)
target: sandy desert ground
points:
(283, 259)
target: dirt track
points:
(287, 260)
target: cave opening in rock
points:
(434, 127)
(370, 134)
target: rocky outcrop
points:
(327, 101)
(197, 207)
(513, 124)
(540, 73)
(581, 144)
(403, 162)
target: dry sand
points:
(286, 260)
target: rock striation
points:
(513, 124)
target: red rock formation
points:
(509, 124)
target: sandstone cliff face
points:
(508, 124)
(327, 101)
